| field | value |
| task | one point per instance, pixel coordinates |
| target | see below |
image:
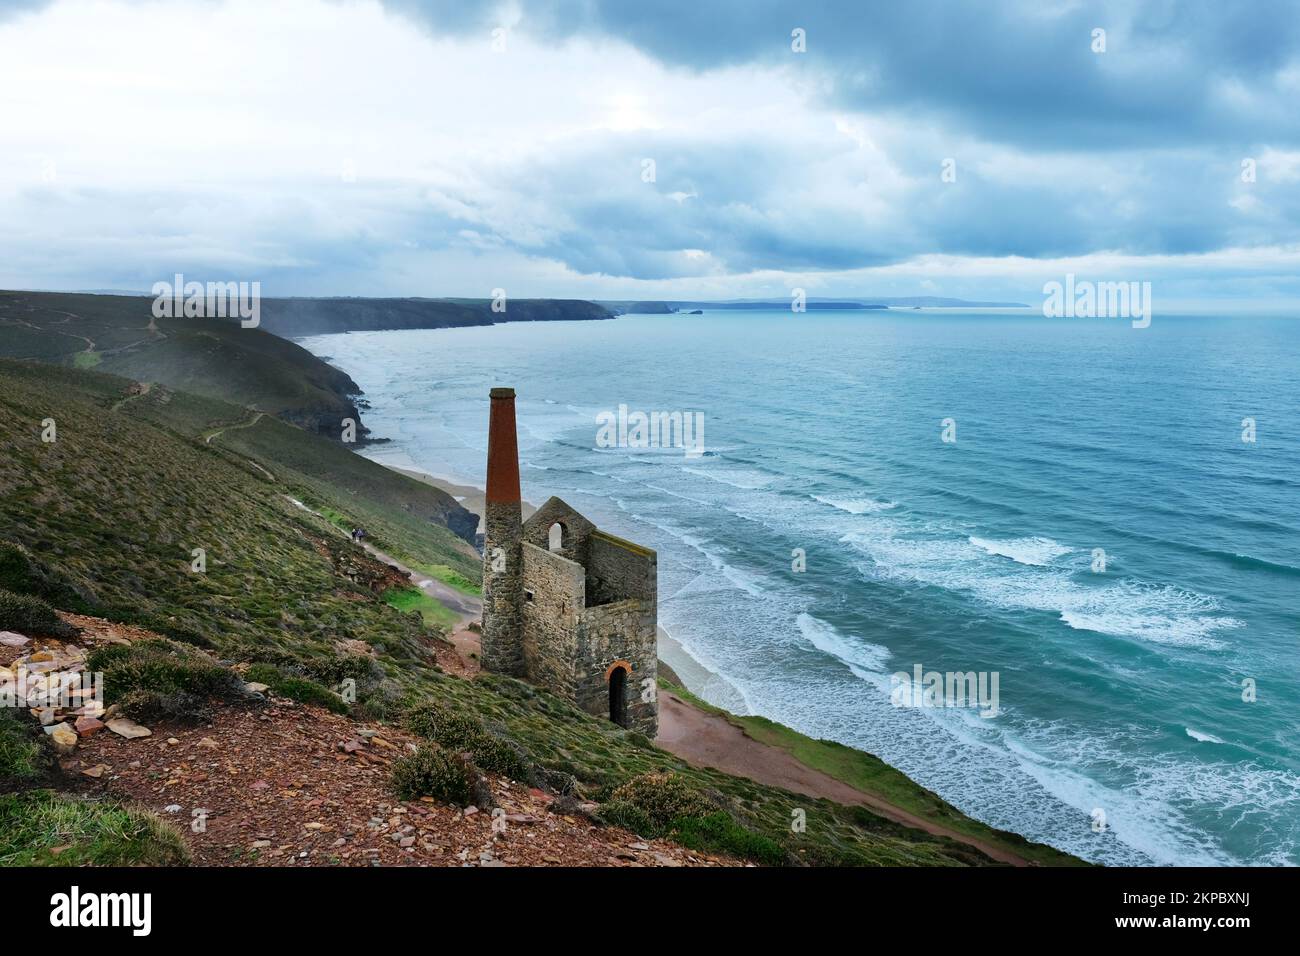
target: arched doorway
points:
(618, 695)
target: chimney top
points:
(503, 393)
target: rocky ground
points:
(282, 784)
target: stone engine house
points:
(565, 605)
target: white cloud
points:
(334, 147)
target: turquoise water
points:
(1121, 692)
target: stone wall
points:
(551, 609)
(502, 573)
(622, 631)
(619, 570)
(577, 529)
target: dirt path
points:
(257, 417)
(707, 740)
(469, 607)
(144, 389)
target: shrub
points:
(461, 732)
(164, 668)
(663, 798)
(307, 691)
(433, 772)
(149, 706)
(500, 756)
(621, 813)
(262, 674)
(336, 669)
(451, 728)
(302, 689)
(30, 615)
(383, 700)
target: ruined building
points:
(565, 605)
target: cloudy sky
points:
(677, 148)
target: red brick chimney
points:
(503, 449)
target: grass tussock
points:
(24, 757)
(42, 828)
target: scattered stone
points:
(173, 808)
(96, 771)
(125, 727)
(88, 725)
(260, 785)
(172, 742)
(638, 846)
(256, 688)
(207, 743)
(64, 738)
(260, 844)
(13, 639)
(470, 811)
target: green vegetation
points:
(164, 667)
(119, 503)
(23, 754)
(29, 615)
(660, 798)
(462, 732)
(432, 612)
(41, 828)
(448, 576)
(718, 833)
(205, 357)
(433, 772)
(302, 689)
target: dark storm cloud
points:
(1174, 72)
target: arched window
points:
(558, 537)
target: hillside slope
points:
(210, 358)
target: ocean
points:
(1098, 536)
